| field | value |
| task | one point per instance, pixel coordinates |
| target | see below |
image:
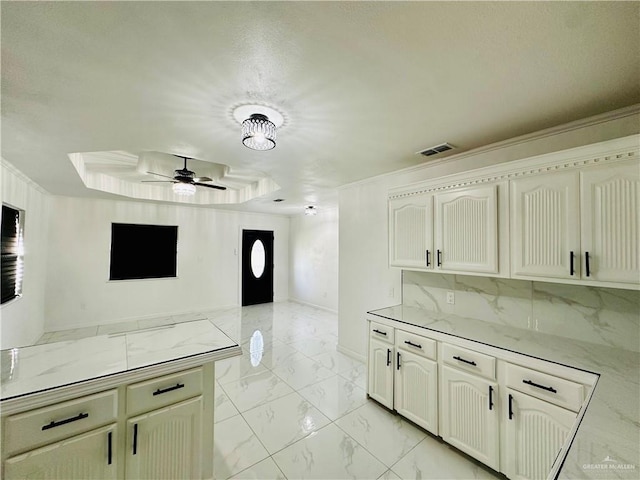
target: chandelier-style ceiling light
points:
(186, 189)
(259, 124)
(258, 133)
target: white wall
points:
(313, 248)
(78, 291)
(365, 280)
(22, 319)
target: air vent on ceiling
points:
(443, 147)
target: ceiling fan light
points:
(258, 132)
(186, 189)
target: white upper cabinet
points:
(611, 223)
(467, 230)
(411, 232)
(545, 222)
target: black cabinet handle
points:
(571, 269)
(53, 424)
(388, 357)
(537, 385)
(109, 448)
(398, 361)
(439, 258)
(586, 263)
(460, 359)
(510, 407)
(168, 389)
(135, 438)
(380, 332)
(490, 397)
(428, 262)
(412, 344)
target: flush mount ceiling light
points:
(310, 210)
(259, 124)
(186, 189)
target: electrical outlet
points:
(451, 297)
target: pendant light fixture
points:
(259, 124)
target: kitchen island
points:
(604, 441)
(129, 405)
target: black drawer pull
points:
(548, 389)
(412, 344)
(169, 389)
(380, 332)
(65, 421)
(460, 359)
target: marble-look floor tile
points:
(284, 421)
(335, 396)
(301, 372)
(328, 454)
(235, 448)
(357, 375)
(223, 408)
(279, 355)
(120, 327)
(264, 470)
(434, 459)
(233, 369)
(389, 475)
(72, 334)
(315, 345)
(386, 436)
(255, 390)
(337, 362)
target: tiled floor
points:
(293, 407)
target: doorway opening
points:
(257, 267)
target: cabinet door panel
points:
(166, 442)
(469, 421)
(83, 457)
(467, 230)
(411, 232)
(611, 223)
(535, 434)
(380, 385)
(545, 225)
(416, 394)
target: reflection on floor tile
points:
(236, 368)
(328, 454)
(385, 435)
(235, 448)
(335, 396)
(284, 421)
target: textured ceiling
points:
(362, 85)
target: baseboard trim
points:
(350, 353)
(313, 305)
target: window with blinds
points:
(12, 253)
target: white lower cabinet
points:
(416, 389)
(165, 443)
(468, 416)
(381, 372)
(535, 433)
(88, 456)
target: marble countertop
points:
(37, 368)
(607, 443)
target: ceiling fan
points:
(185, 176)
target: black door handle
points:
(135, 438)
(586, 263)
(398, 361)
(428, 262)
(388, 357)
(571, 269)
(510, 407)
(490, 397)
(439, 258)
(109, 448)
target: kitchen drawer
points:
(416, 344)
(381, 332)
(46, 425)
(550, 388)
(158, 392)
(468, 360)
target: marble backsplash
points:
(605, 316)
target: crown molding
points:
(9, 167)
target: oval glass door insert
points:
(257, 258)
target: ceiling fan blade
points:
(160, 175)
(202, 179)
(158, 181)
(217, 187)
